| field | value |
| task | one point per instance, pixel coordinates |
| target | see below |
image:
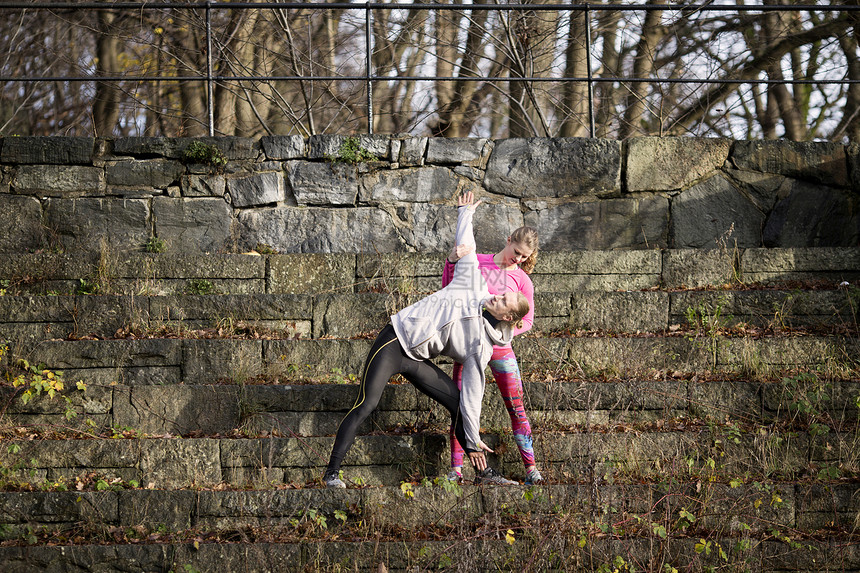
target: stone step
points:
(317, 409)
(475, 527)
(162, 361)
(627, 452)
(557, 271)
(28, 320)
(488, 551)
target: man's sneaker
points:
(533, 477)
(332, 481)
(490, 475)
(454, 476)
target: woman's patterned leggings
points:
(506, 373)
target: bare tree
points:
(302, 70)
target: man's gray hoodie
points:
(450, 322)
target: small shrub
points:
(351, 152)
(200, 287)
(265, 249)
(199, 152)
(155, 245)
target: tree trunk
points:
(108, 95)
(643, 66)
(575, 95)
(608, 94)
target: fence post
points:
(209, 108)
(588, 68)
(368, 15)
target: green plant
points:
(87, 287)
(4, 284)
(351, 152)
(707, 322)
(200, 287)
(37, 380)
(199, 152)
(265, 249)
(155, 245)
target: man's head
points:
(509, 307)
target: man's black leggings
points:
(386, 358)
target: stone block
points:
(812, 260)
(620, 311)
(40, 267)
(21, 222)
(329, 146)
(203, 185)
(88, 455)
(37, 308)
(190, 266)
(415, 185)
(692, 268)
(311, 273)
(207, 361)
(811, 215)
(103, 316)
(51, 150)
(317, 356)
(62, 508)
(596, 262)
(559, 167)
(196, 225)
(670, 163)
(279, 147)
(59, 180)
(852, 152)
(714, 214)
(315, 183)
(365, 312)
(65, 354)
(157, 508)
(297, 230)
(153, 173)
(396, 266)
(432, 227)
(256, 190)
(227, 310)
(763, 189)
(602, 225)
(784, 353)
(178, 409)
(637, 355)
(412, 151)
(177, 462)
(470, 151)
(81, 223)
(739, 400)
(388, 507)
(234, 148)
(819, 162)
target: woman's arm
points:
(528, 290)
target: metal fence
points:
(369, 77)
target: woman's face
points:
(502, 306)
(514, 253)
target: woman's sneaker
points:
(533, 477)
(490, 475)
(332, 481)
(454, 476)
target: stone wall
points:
(289, 193)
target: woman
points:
(462, 321)
(505, 271)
